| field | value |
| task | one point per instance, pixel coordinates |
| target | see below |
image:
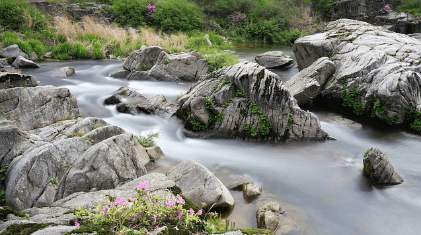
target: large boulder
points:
(35, 107)
(275, 59)
(200, 185)
(62, 72)
(145, 56)
(378, 168)
(247, 101)
(21, 62)
(309, 82)
(399, 22)
(378, 72)
(14, 52)
(10, 80)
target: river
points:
(319, 184)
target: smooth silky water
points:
(319, 184)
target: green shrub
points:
(410, 6)
(131, 12)
(97, 52)
(217, 61)
(20, 15)
(62, 51)
(37, 47)
(148, 140)
(80, 51)
(178, 15)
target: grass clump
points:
(197, 125)
(148, 140)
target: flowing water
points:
(319, 184)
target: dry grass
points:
(177, 42)
(16, 70)
(304, 22)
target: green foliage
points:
(143, 68)
(208, 103)
(178, 15)
(5, 210)
(231, 100)
(332, 58)
(239, 93)
(410, 6)
(393, 119)
(264, 124)
(246, 126)
(378, 108)
(166, 62)
(54, 181)
(221, 84)
(97, 52)
(20, 15)
(253, 132)
(366, 153)
(9, 60)
(62, 51)
(131, 12)
(290, 122)
(2, 197)
(349, 99)
(323, 7)
(217, 61)
(80, 51)
(37, 47)
(416, 125)
(148, 140)
(217, 118)
(197, 125)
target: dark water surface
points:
(318, 184)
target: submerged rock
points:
(309, 82)
(275, 59)
(378, 72)
(200, 185)
(247, 101)
(13, 51)
(21, 62)
(378, 168)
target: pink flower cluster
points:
(241, 17)
(143, 186)
(151, 9)
(385, 9)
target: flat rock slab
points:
(275, 59)
(378, 168)
(200, 185)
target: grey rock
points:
(155, 153)
(252, 191)
(309, 82)
(54, 230)
(3, 62)
(415, 35)
(234, 115)
(139, 75)
(105, 165)
(268, 216)
(54, 215)
(28, 178)
(145, 56)
(378, 168)
(274, 59)
(120, 73)
(35, 107)
(114, 99)
(200, 185)
(86, 125)
(62, 72)
(10, 80)
(401, 22)
(13, 51)
(48, 55)
(75, 11)
(21, 62)
(101, 133)
(158, 184)
(382, 67)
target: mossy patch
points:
(25, 229)
(7, 210)
(251, 231)
(102, 230)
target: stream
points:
(319, 184)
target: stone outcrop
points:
(246, 101)
(250, 190)
(275, 59)
(21, 62)
(13, 51)
(374, 11)
(309, 82)
(62, 72)
(200, 185)
(10, 80)
(378, 168)
(378, 72)
(35, 107)
(74, 10)
(270, 216)
(134, 103)
(154, 63)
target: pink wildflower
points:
(199, 212)
(154, 217)
(181, 201)
(133, 219)
(121, 201)
(176, 228)
(191, 211)
(132, 199)
(179, 214)
(77, 224)
(106, 210)
(170, 204)
(143, 186)
(158, 229)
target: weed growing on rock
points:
(221, 84)
(198, 126)
(253, 132)
(54, 181)
(416, 125)
(148, 140)
(143, 68)
(187, 62)
(264, 124)
(208, 103)
(378, 108)
(393, 119)
(78, 134)
(231, 100)
(349, 96)
(246, 126)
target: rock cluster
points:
(378, 168)
(154, 63)
(246, 101)
(378, 72)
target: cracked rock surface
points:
(379, 169)
(378, 72)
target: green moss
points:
(239, 93)
(416, 125)
(221, 84)
(393, 119)
(378, 108)
(251, 231)
(7, 210)
(25, 229)
(368, 170)
(349, 99)
(366, 153)
(102, 230)
(198, 126)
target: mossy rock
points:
(102, 230)
(25, 229)
(251, 231)
(4, 211)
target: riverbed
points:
(319, 184)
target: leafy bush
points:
(217, 61)
(80, 51)
(178, 15)
(131, 12)
(97, 52)
(37, 47)
(20, 15)
(62, 51)
(148, 140)
(411, 7)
